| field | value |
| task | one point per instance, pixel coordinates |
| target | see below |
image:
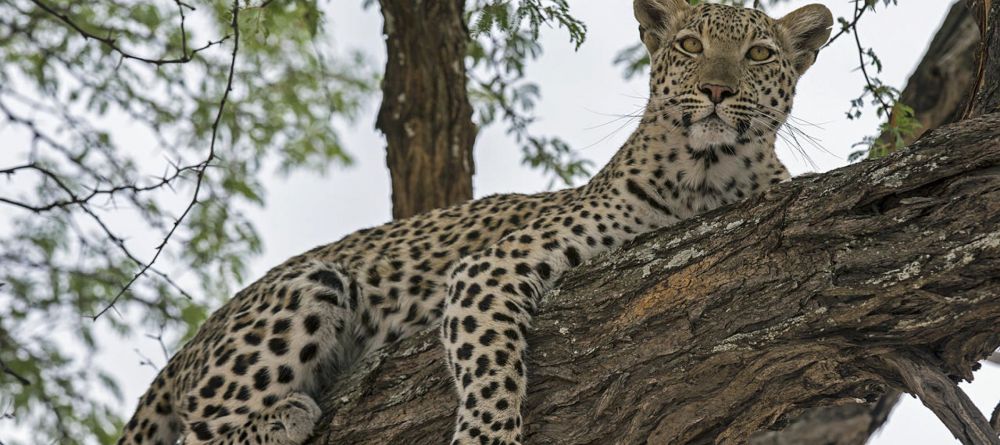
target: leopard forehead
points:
(728, 24)
(726, 34)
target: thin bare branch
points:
(111, 42)
(852, 26)
(83, 199)
(159, 340)
(6, 370)
(203, 167)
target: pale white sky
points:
(583, 96)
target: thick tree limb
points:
(726, 324)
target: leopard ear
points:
(655, 20)
(807, 28)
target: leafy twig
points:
(858, 11)
(847, 27)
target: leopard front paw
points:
(292, 420)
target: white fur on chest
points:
(715, 177)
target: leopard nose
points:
(716, 93)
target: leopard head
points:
(724, 74)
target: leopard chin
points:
(711, 131)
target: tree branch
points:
(729, 323)
(20, 379)
(845, 424)
(112, 42)
(859, 9)
(938, 92)
(995, 418)
(202, 168)
(846, 28)
(945, 399)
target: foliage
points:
(504, 39)
(67, 254)
(900, 125)
(507, 17)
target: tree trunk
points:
(826, 290)
(426, 116)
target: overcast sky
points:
(583, 100)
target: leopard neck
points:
(660, 159)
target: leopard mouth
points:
(711, 129)
(713, 117)
(707, 111)
(714, 120)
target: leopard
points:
(721, 84)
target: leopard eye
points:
(691, 45)
(760, 53)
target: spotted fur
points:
(253, 371)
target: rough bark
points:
(726, 324)
(938, 90)
(986, 98)
(426, 116)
